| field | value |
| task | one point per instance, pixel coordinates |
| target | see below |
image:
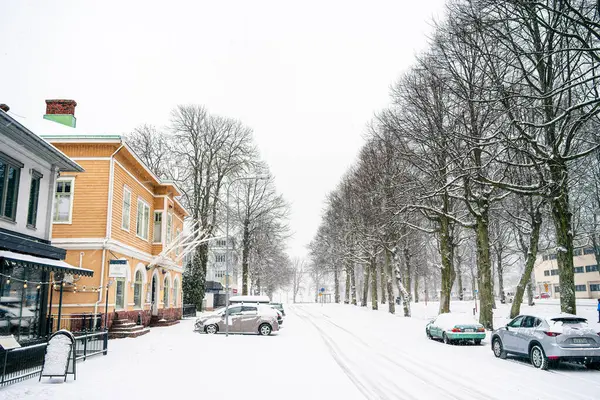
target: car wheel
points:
(477, 342)
(446, 340)
(264, 330)
(538, 357)
(211, 329)
(498, 348)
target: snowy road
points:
(389, 357)
(328, 352)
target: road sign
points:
(117, 269)
(476, 291)
(322, 289)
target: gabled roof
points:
(18, 133)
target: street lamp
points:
(247, 178)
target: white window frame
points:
(126, 190)
(169, 237)
(166, 291)
(124, 281)
(54, 203)
(175, 291)
(144, 205)
(161, 226)
(141, 283)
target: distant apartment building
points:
(587, 276)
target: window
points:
(249, 310)
(143, 219)
(166, 292)
(552, 257)
(591, 268)
(220, 258)
(556, 289)
(219, 273)
(235, 310)
(158, 226)
(588, 250)
(178, 248)
(554, 272)
(529, 322)
(169, 227)
(126, 208)
(580, 288)
(578, 270)
(137, 289)
(63, 200)
(546, 273)
(175, 292)
(120, 294)
(544, 258)
(221, 243)
(577, 252)
(9, 186)
(515, 323)
(34, 196)
(594, 287)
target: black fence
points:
(189, 310)
(75, 323)
(26, 362)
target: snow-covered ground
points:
(324, 351)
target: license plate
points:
(469, 330)
(580, 341)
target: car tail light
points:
(481, 329)
(456, 330)
(552, 334)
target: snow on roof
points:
(249, 299)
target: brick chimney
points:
(60, 107)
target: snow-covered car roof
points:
(448, 320)
(249, 299)
(554, 316)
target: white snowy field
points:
(324, 351)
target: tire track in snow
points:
(558, 391)
(425, 370)
(367, 388)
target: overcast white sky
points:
(306, 76)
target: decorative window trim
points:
(126, 189)
(144, 203)
(65, 179)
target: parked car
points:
(249, 299)
(244, 318)
(278, 307)
(544, 295)
(13, 316)
(454, 327)
(549, 340)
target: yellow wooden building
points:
(118, 217)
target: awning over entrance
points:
(45, 264)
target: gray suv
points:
(251, 318)
(549, 340)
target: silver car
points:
(549, 340)
(242, 319)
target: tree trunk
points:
(416, 288)
(500, 270)
(401, 289)
(336, 280)
(245, 253)
(461, 293)
(407, 262)
(484, 272)
(365, 286)
(561, 215)
(447, 256)
(383, 283)
(373, 267)
(530, 255)
(530, 293)
(347, 291)
(493, 284)
(388, 281)
(353, 285)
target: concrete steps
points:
(124, 328)
(154, 322)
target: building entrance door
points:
(154, 295)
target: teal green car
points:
(452, 328)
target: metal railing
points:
(25, 362)
(189, 310)
(75, 323)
